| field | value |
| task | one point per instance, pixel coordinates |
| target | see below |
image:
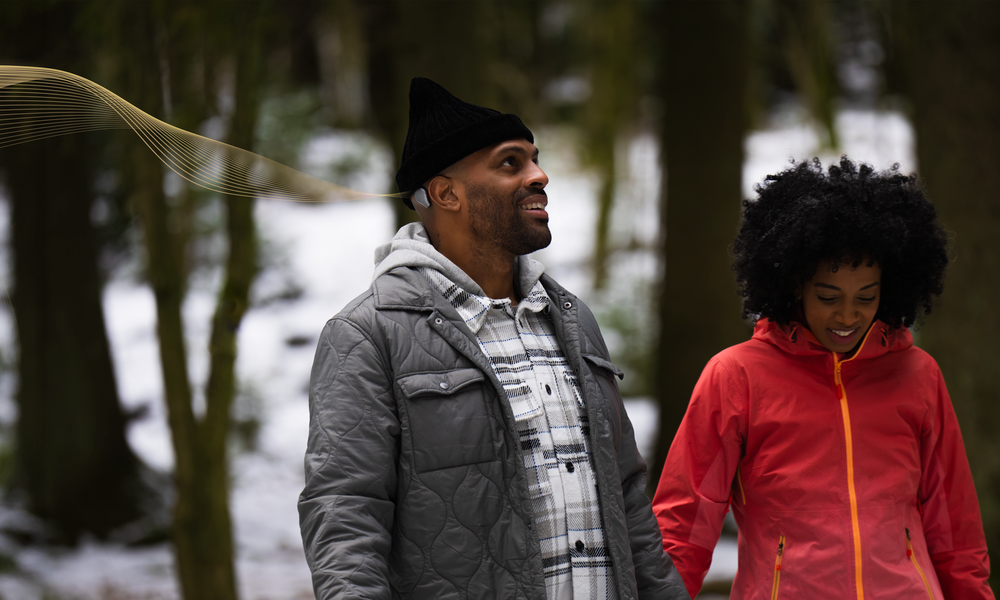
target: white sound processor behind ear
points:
(420, 197)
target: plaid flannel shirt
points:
(552, 425)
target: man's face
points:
(506, 198)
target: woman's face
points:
(840, 305)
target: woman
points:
(829, 433)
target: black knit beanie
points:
(443, 130)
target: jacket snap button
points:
(570, 467)
(579, 546)
(444, 385)
(548, 390)
(438, 321)
(567, 305)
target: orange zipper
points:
(913, 559)
(855, 524)
(777, 568)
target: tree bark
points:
(704, 83)
(203, 520)
(202, 529)
(807, 44)
(73, 460)
(952, 55)
(611, 53)
(72, 457)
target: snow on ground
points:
(325, 252)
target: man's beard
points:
(495, 218)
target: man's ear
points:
(442, 193)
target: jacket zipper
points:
(845, 413)
(913, 559)
(777, 568)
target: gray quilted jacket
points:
(414, 484)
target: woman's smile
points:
(840, 305)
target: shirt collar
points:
(474, 308)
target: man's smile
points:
(534, 203)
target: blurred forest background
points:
(268, 75)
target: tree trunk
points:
(387, 35)
(808, 48)
(704, 85)
(203, 524)
(202, 529)
(72, 458)
(952, 51)
(612, 55)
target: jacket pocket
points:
(910, 554)
(610, 405)
(448, 419)
(777, 568)
(605, 364)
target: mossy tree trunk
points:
(611, 52)
(71, 456)
(202, 529)
(952, 58)
(703, 84)
(805, 35)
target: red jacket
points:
(847, 479)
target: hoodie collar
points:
(795, 338)
(411, 247)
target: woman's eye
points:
(866, 300)
(827, 299)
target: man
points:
(467, 437)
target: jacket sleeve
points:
(346, 508)
(952, 523)
(655, 574)
(692, 496)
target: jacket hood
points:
(411, 247)
(795, 338)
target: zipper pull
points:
(837, 380)
(909, 546)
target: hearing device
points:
(420, 197)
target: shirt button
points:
(444, 385)
(579, 546)
(569, 467)
(548, 390)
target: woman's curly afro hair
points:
(803, 216)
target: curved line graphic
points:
(41, 103)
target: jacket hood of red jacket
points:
(795, 338)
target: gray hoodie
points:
(411, 247)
